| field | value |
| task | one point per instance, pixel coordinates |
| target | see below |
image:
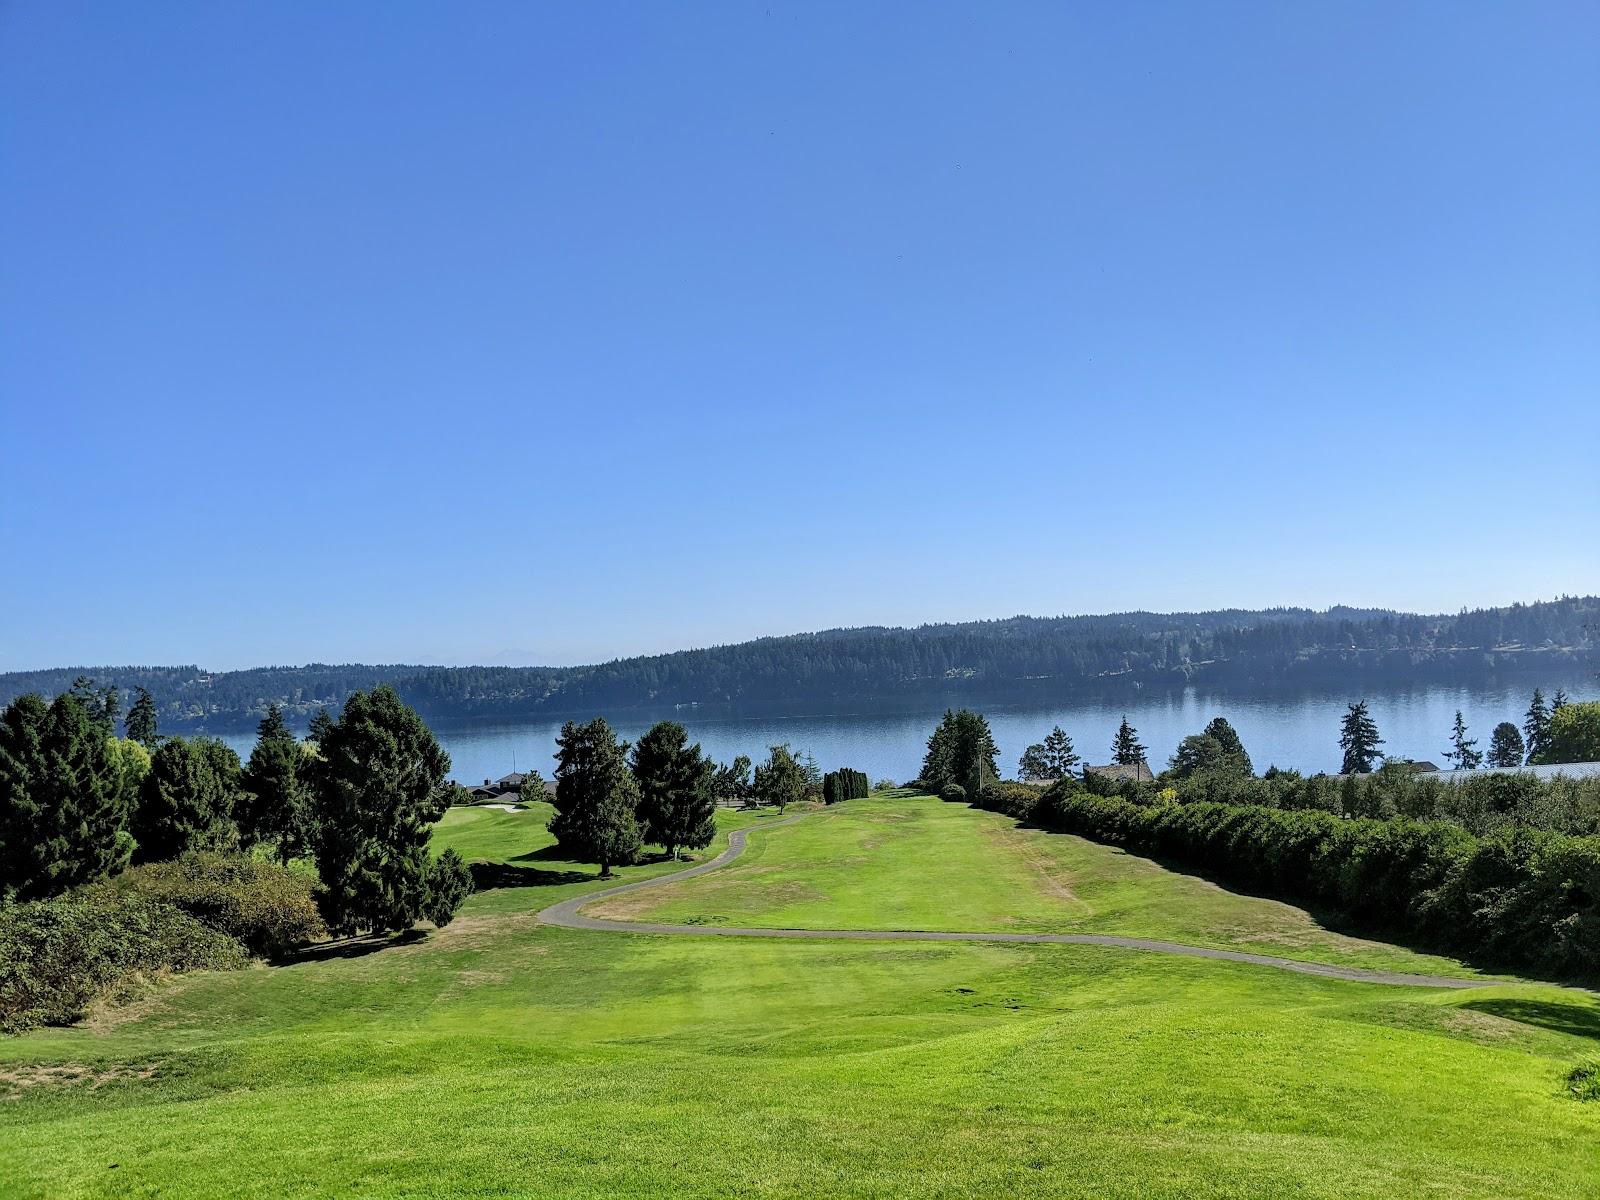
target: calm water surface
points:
(1299, 730)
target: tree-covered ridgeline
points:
(1348, 648)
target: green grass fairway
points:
(920, 863)
(501, 1058)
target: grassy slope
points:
(919, 863)
(497, 1057)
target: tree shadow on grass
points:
(1574, 1019)
(489, 875)
(351, 947)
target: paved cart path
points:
(567, 915)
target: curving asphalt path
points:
(567, 915)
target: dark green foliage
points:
(1505, 746)
(448, 885)
(781, 780)
(961, 750)
(954, 793)
(1583, 1081)
(1574, 734)
(677, 807)
(63, 802)
(844, 784)
(58, 956)
(1463, 752)
(141, 724)
(1198, 752)
(321, 722)
(731, 783)
(1536, 727)
(1237, 758)
(1521, 897)
(1359, 740)
(1126, 748)
(267, 908)
(187, 800)
(99, 703)
(1013, 799)
(379, 786)
(277, 804)
(597, 798)
(1053, 758)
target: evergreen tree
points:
(321, 722)
(1505, 746)
(141, 723)
(677, 808)
(1463, 750)
(1358, 738)
(187, 801)
(378, 788)
(276, 806)
(1197, 752)
(780, 781)
(99, 703)
(1536, 727)
(962, 751)
(1126, 749)
(597, 798)
(62, 799)
(1557, 702)
(732, 782)
(1236, 758)
(1053, 758)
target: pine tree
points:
(62, 799)
(1558, 702)
(141, 722)
(379, 786)
(962, 751)
(1126, 749)
(99, 703)
(1053, 758)
(1536, 727)
(1463, 750)
(1505, 746)
(276, 805)
(677, 809)
(779, 781)
(1358, 738)
(1235, 756)
(597, 798)
(188, 800)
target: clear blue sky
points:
(551, 332)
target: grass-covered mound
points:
(499, 1057)
(200, 912)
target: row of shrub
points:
(844, 784)
(1481, 803)
(204, 911)
(1519, 897)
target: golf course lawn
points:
(919, 863)
(499, 1057)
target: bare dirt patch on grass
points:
(15, 1082)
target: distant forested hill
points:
(1043, 656)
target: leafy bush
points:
(1583, 1081)
(954, 793)
(1014, 799)
(268, 908)
(1520, 896)
(58, 956)
(448, 884)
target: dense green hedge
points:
(844, 784)
(268, 908)
(1520, 897)
(58, 956)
